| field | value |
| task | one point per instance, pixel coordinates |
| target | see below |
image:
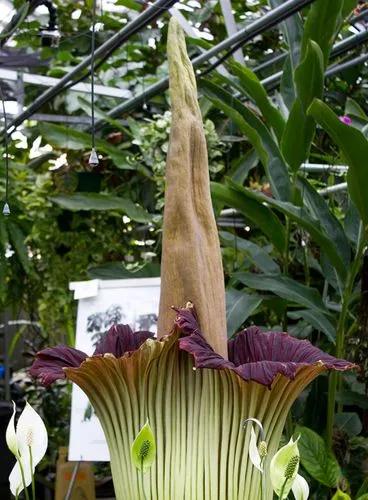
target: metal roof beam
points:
(153, 12)
(48, 81)
(272, 18)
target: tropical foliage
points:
(293, 249)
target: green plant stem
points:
(335, 378)
(281, 496)
(262, 482)
(285, 269)
(33, 480)
(142, 479)
(23, 480)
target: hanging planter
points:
(193, 386)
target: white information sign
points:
(101, 304)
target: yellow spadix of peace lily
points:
(193, 385)
(28, 443)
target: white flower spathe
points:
(28, 443)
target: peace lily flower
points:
(284, 465)
(193, 385)
(284, 472)
(28, 443)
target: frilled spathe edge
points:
(50, 362)
(253, 355)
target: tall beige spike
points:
(191, 266)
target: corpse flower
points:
(193, 386)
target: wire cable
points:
(6, 209)
(93, 159)
(119, 38)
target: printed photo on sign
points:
(102, 304)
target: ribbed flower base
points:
(196, 416)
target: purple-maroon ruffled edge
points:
(50, 362)
(253, 354)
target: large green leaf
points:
(298, 215)
(17, 240)
(348, 6)
(321, 24)
(348, 422)
(317, 460)
(256, 254)
(351, 398)
(257, 133)
(97, 201)
(318, 320)
(239, 306)
(320, 211)
(117, 270)
(241, 166)
(354, 147)
(300, 128)
(67, 138)
(255, 90)
(254, 210)
(284, 287)
(292, 29)
(287, 84)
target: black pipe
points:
(269, 20)
(149, 15)
(339, 48)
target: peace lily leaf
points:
(239, 306)
(300, 488)
(284, 468)
(144, 448)
(11, 438)
(99, 201)
(316, 458)
(258, 135)
(354, 147)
